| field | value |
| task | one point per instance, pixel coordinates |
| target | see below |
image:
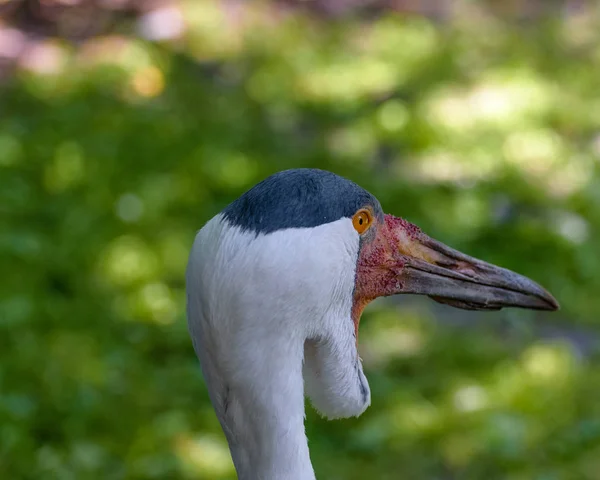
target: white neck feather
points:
(264, 423)
(269, 317)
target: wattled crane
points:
(276, 284)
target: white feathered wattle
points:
(270, 320)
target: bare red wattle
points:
(380, 263)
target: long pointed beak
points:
(451, 277)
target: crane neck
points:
(264, 419)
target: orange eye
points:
(362, 220)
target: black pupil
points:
(360, 221)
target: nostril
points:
(446, 263)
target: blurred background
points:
(127, 124)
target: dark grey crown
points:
(298, 198)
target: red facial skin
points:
(380, 262)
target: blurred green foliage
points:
(112, 155)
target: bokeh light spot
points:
(129, 207)
(548, 364)
(67, 168)
(158, 301)
(393, 115)
(204, 455)
(164, 23)
(470, 398)
(148, 82)
(127, 260)
(571, 226)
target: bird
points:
(275, 287)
